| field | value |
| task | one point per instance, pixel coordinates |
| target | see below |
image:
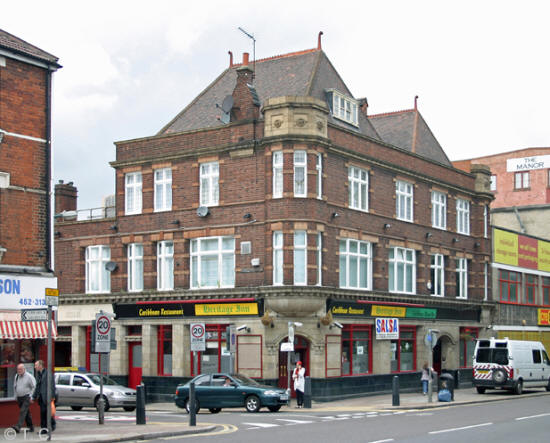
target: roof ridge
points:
(290, 54)
(383, 114)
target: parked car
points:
(79, 389)
(221, 390)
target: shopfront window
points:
(164, 348)
(468, 338)
(214, 358)
(403, 350)
(356, 349)
(13, 352)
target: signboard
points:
(388, 311)
(528, 163)
(52, 297)
(287, 346)
(226, 309)
(421, 313)
(198, 336)
(387, 328)
(24, 292)
(544, 317)
(102, 333)
(522, 251)
(34, 315)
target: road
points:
(520, 419)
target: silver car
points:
(78, 389)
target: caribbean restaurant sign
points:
(522, 251)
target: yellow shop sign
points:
(388, 311)
(226, 309)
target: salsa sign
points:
(387, 328)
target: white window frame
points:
(209, 184)
(277, 174)
(439, 210)
(522, 180)
(350, 255)
(198, 255)
(319, 259)
(401, 257)
(319, 168)
(300, 258)
(358, 182)
(345, 108)
(486, 281)
(404, 203)
(133, 193)
(462, 277)
(485, 221)
(300, 166)
(493, 183)
(135, 267)
(462, 216)
(278, 258)
(165, 265)
(437, 267)
(163, 189)
(98, 278)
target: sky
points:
(480, 68)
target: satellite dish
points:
(227, 104)
(110, 266)
(202, 211)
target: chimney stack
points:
(65, 197)
(245, 58)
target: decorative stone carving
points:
(300, 122)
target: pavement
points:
(117, 429)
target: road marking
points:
(381, 441)
(460, 429)
(332, 417)
(532, 416)
(261, 425)
(226, 429)
(294, 422)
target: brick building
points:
(274, 201)
(520, 215)
(25, 210)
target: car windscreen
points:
(244, 380)
(492, 355)
(106, 380)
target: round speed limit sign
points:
(103, 325)
(198, 336)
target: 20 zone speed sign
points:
(198, 336)
(102, 333)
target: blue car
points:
(220, 390)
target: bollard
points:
(307, 392)
(395, 391)
(192, 407)
(140, 404)
(101, 410)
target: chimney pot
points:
(245, 58)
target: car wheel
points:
(188, 406)
(252, 403)
(499, 376)
(548, 385)
(129, 408)
(76, 408)
(96, 403)
(518, 389)
(215, 410)
(273, 408)
(480, 389)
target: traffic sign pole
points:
(52, 297)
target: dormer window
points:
(343, 107)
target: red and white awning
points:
(25, 329)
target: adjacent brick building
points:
(26, 254)
(273, 200)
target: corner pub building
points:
(272, 198)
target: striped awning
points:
(25, 329)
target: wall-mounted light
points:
(455, 239)
(175, 222)
(477, 244)
(335, 215)
(114, 227)
(429, 235)
(1, 136)
(2, 249)
(336, 324)
(243, 328)
(57, 234)
(387, 226)
(247, 215)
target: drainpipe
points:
(48, 166)
(523, 230)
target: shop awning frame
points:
(16, 330)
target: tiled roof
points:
(398, 129)
(15, 44)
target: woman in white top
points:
(298, 375)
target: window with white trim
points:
(355, 264)
(165, 265)
(163, 189)
(404, 200)
(493, 183)
(485, 221)
(462, 278)
(132, 193)
(212, 262)
(462, 216)
(209, 184)
(319, 169)
(439, 210)
(358, 188)
(135, 267)
(300, 258)
(437, 275)
(277, 258)
(319, 259)
(98, 279)
(344, 107)
(300, 174)
(277, 174)
(521, 180)
(402, 270)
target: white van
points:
(510, 364)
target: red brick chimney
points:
(245, 105)
(65, 197)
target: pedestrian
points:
(298, 375)
(24, 385)
(425, 378)
(41, 394)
